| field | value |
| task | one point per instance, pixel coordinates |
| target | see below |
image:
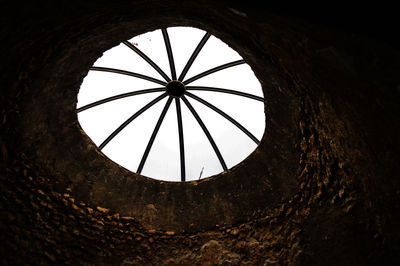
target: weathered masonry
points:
(322, 188)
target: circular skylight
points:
(173, 104)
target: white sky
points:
(163, 162)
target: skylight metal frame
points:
(178, 100)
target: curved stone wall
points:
(322, 187)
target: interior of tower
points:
(321, 188)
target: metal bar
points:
(123, 72)
(130, 119)
(169, 52)
(213, 70)
(181, 143)
(219, 111)
(153, 136)
(147, 59)
(194, 55)
(210, 139)
(117, 97)
(200, 88)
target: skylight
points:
(174, 104)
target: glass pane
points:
(248, 112)
(152, 44)
(214, 53)
(99, 85)
(127, 147)
(240, 78)
(184, 41)
(233, 144)
(163, 161)
(199, 154)
(124, 58)
(100, 121)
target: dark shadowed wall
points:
(321, 189)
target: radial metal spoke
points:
(181, 143)
(153, 136)
(219, 111)
(194, 55)
(130, 119)
(147, 59)
(210, 139)
(132, 74)
(169, 52)
(117, 97)
(213, 70)
(200, 88)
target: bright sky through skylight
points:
(163, 161)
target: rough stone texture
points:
(48, 122)
(322, 188)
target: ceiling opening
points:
(174, 104)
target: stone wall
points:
(321, 189)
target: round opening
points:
(175, 88)
(174, 104)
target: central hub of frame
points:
(175, 88)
